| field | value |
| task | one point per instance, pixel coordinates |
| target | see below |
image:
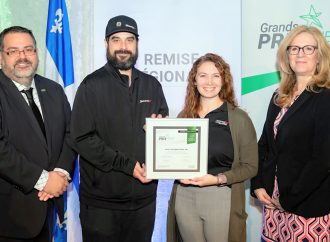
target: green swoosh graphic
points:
(254, 83)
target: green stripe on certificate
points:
(191, 135)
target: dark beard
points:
(121, 65)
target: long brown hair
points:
(192, 101)
(321, 77)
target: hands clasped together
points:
(56, 185)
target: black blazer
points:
(301, 152)
(24, 153)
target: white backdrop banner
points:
(173, 34)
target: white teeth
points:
(208, 88)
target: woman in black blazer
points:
(293, 181)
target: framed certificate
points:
(176, 148)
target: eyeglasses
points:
(307, 49)
(28, 51)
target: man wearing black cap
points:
(117, 201)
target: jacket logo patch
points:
(145, 101)
(221, 122)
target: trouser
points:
(203, 213)
(107, 225)
(46, 232)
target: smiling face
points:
(208, 80)
(122, 51)
(302, 64)
(19, 68)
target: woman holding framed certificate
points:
(212, 207)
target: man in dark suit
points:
(35, 156)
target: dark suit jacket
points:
(301, 152)
(24, 153)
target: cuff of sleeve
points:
(222, 179)
(64, 172)
(41, 183)
(129, 168)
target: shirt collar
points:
(135, 75)
(222, 108)
(21, 87)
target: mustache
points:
(123, 52)
(24, 61)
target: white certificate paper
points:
(176, 148)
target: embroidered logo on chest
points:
(221, 122)
(145, 101)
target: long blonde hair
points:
(192, 101)
(321, 77)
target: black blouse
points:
(221, 148)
